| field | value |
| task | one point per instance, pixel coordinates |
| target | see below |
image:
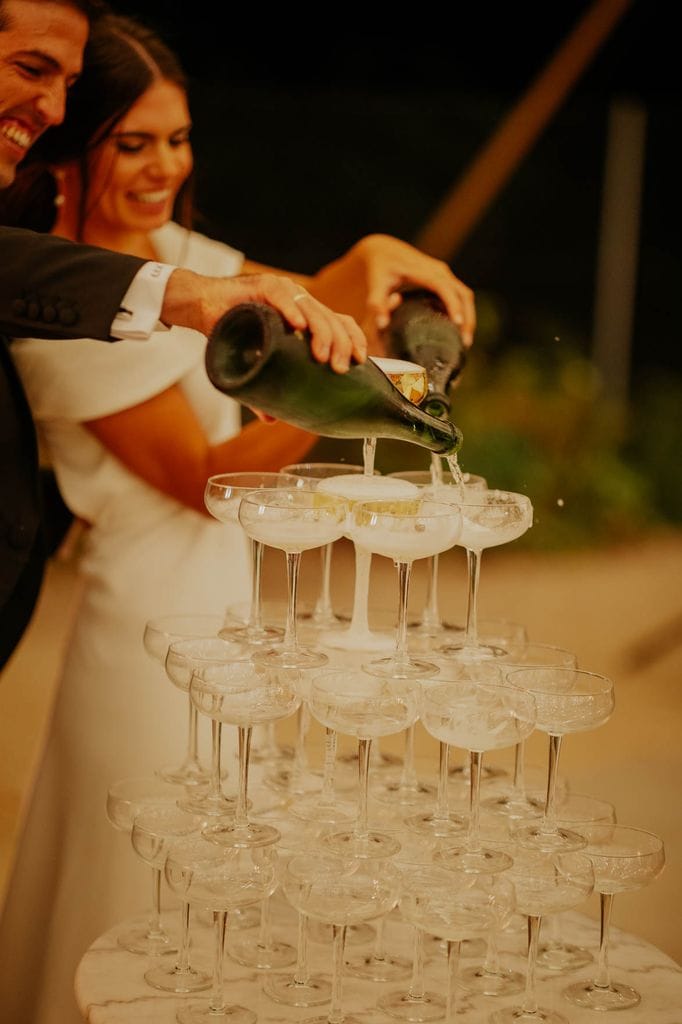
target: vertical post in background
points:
(617, 256)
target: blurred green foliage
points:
(535, 419)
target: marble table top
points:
(110, 987)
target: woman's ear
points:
(67, 199)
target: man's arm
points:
(52, 288)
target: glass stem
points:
(491, 964)
(416, 990)
(327, 798)
(475, 762)
(265, 931)
(360, 619)
(193, 734)
(255, 614)
(408, 775)
(323, 608)
(155, 916)
(301, 973)
(442, 812)
(241, 818)
(339, 942)
(549, 823)
(603, 979)
(217, 1000)
(454, 949)
(530, 1000)
(364, 748)
(474, 571)
(290, 642)
(431, 617)
(404, 570)
(216, 742)
(378, 952)
(519, 772)
(182, 965)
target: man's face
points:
(41, 50)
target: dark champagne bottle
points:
(421, 332)
(253, 355)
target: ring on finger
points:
(300, 296)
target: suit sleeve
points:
(52, 288)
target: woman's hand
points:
(198, 302)
(367, 280)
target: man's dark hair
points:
(92, 9)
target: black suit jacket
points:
(49, 288)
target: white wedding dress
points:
(116, 715)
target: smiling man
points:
(41, 56)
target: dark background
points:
(311, 131)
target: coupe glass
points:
(222, 497)
(439, 823)
(567, 700)
(366, 707)
(476, 716)
(244, 694)
(219, 879)
(454, 905)
(354, 488)
(403, 530)
(125, 800)
(341, 893)
(294, 521)
(489, 518)
(154, 830)
(184, 657)
(447, 489)
(513, 799)
(624, 859)
(159, 634)
(545, 883)
(312, 472)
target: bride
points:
(133, 431)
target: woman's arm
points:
(162, 441)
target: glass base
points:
(282, 988)
(398, 794)
(516, 1015)
(250, 953)
(514, 805)
(310, 808)
(373, 845)
(372, 968)
(563, 957)
(242, 836)
(559, 840)
(475, 862)
(358, 640)
(434, 946)
(146, 943)
(298, 658)
(488, 771)
(348, 1018)
(405, 668)
(472, 652)
(256, 636)
(214, 806)
(595, 997)
(451, 827)
(172, 979)
(189, 773)
(504, 982)
(203, 1013)
(402, 1006)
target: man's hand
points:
(192, 300)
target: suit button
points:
(49, 314)
(67, 316)
(19, 307)
(33, 311)
(18, 536)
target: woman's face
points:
(136, 173)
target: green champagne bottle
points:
(253, 355)
(421, 332)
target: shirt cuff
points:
(138, 314)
